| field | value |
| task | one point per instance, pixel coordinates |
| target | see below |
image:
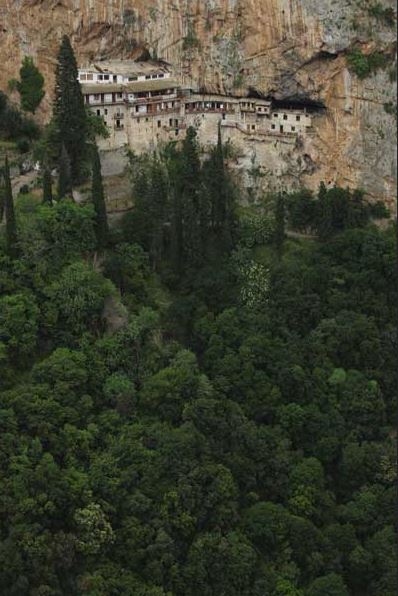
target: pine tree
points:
(47, 187)
(98, 197)
(11, 226)
(69, 112)
(64, 174)
(30, 86)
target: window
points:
(273, 126)
(133, 78)
(146, 119)
(171, 122)
(159, 123)
(120, 95)
(154, 76)
(89, 77)
(97, 96)
(285, 116)
(176, 122)
(161, 76)
(98, 112)
(298, 118)
(83, 77)
(106, 77)
(148, 77)
(106, 112)
(293, 128)
(275, 115)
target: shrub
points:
(362, 65)
(23, 145)
(385, 15)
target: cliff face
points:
(282, 48)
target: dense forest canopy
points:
(194, 400)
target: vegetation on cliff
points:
(234, 435)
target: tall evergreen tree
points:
(11, 226)
(324, 213)
(220, 197)
(98, 197)
(2, 196)
(280, 223)
(156, 200)
(189, 194)
(69, 112)
(30, 85)
(64, 174)
(47, 186)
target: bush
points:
(362, 65)
(385, 15)
(23, 145)
(24, 190)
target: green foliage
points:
(363, 65)
(13, 124)
(47, 187)
(69, 110)
(96, 126)
(383, 13)
(18, 325)
(11, 226)
(190, 41)
(64, 174)
(232, 432)
(30, 85)
(76, 300)
(98, 198)
(332, 211)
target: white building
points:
(141, 103)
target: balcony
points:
(156, 98)
(118, 116)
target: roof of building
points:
(136, 87)
(125, 67)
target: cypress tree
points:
(30, 87)
(47, 187)
(11, 226)
(64, 174)
(219, 194)
(190, 199)
(2, 196)
(69, 112)
(98, 197)
(280, 214)
(156, 198)
(324, 213)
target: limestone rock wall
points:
(283, 48)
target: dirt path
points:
(19, 181)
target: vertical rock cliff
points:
(285, 49)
